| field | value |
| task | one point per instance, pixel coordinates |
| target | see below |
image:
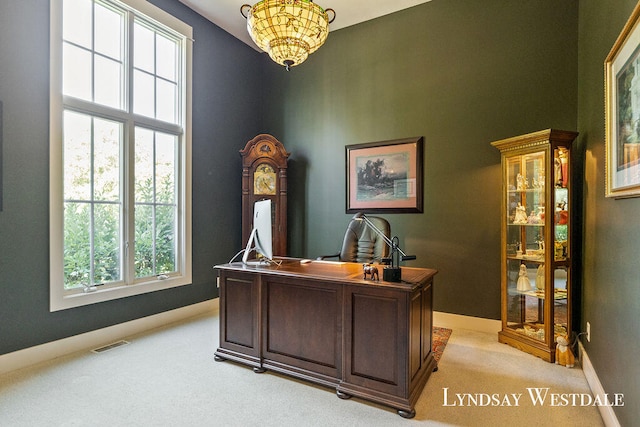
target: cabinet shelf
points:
(558, 294)
(527, 258)
(528, 190)
(536, 213)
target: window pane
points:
(76, 18)
(166, 53)
(155, 240)
(92, 231)
(108, 82)
(108, 32)
(77, 249)
(165, 168)
(107, 140)
(144, 165)
(106, 242)
(165, 239)
(76, 72)
(166, 101)
(144, 252)
(156, 211)
(143, 94)
(143, 48)
(77, 158)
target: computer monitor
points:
(260, 239)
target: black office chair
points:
(361, 243)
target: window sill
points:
(65, 300)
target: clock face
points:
(264, 180)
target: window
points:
(120, 146)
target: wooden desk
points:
(322, 322)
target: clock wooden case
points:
(264, 176)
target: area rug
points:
(440, 338)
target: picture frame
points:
(622, 116)
(385, 176)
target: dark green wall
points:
(455, 72)
(461, 73)
(611, 287)
(226, 86)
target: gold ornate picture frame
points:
(622, 112)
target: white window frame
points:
(61, 299)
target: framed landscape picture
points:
(622, 112)
(385, 176)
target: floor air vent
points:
(110, 346)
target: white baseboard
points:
(51, 350)
(606, 412)
(458, 321)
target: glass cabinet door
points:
(561, 238)
(525, 214)
(561, 208)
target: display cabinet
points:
(536, 240)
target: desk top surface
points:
(344, 272)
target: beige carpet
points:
(169, 378)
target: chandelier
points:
(288, 30)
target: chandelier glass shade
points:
(288, 30)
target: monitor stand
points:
(247, 250)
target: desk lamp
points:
(392, 272)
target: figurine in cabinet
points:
(540, 278)
(557, 171)
(521, 215)
(524, 285)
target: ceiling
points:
(226, 13)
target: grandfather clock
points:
(264, 176)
